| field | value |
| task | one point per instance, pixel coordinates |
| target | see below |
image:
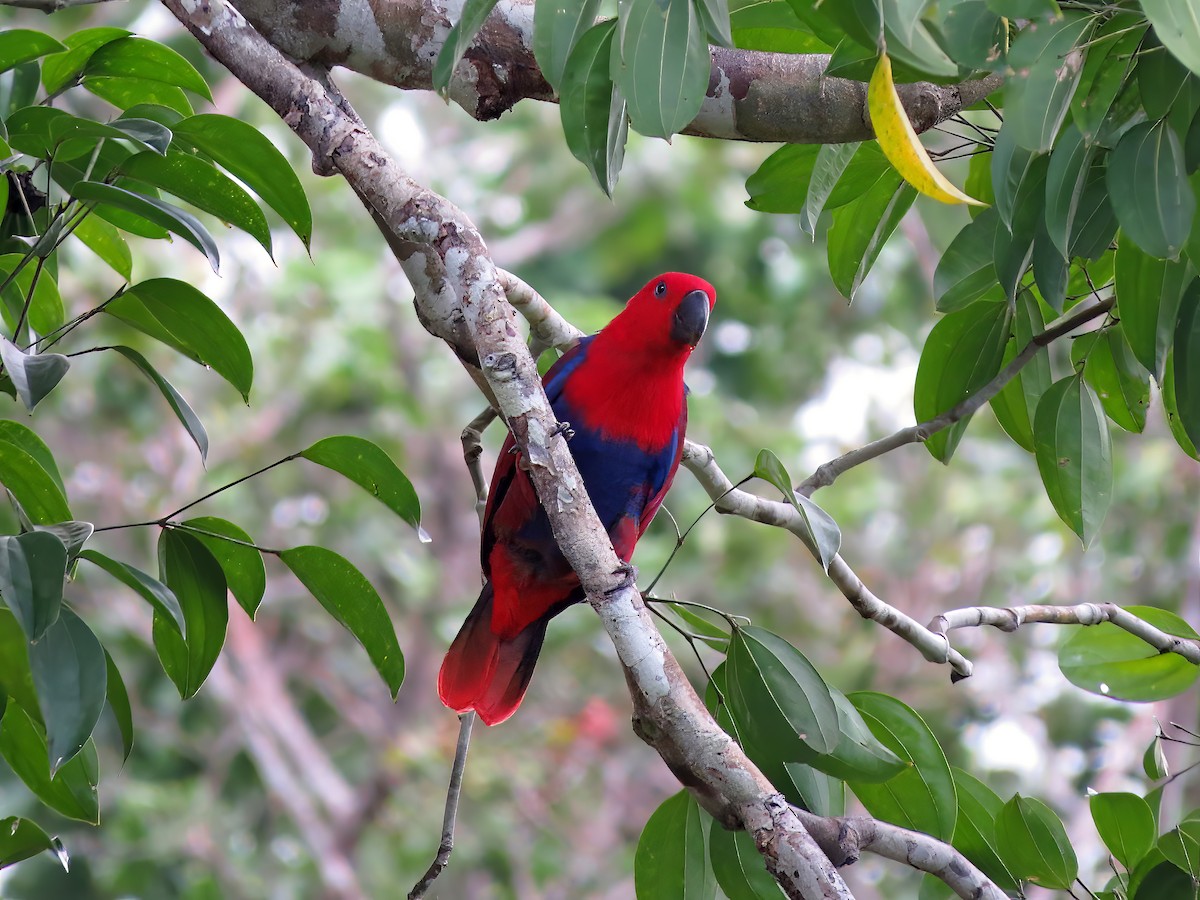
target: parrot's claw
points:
(565, 429)
(628, 573)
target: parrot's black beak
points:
(690, 319)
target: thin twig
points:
(465, 721)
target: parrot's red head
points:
(668, 316)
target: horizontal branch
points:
(1013, 617)
(752, 96)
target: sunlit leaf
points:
(1125, 824)
(1034, 844)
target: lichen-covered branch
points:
(460, 299)
(1013, 617)
(752, 96)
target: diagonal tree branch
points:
(460, 299)
(752, 96)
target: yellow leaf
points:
(899, 142)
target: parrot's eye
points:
(660, 289)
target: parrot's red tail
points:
(485, 672)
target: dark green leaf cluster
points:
(141, 162)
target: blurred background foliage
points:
(293, 745)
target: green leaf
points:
(241, 563)
(1154, 760)
(474, 13)
(1170, 407)
(1149, 188)
(975, 828)
(592, 110)
(1009, 405)
(1095, 222)
(21, 839)
(920, 797)
(73, 535)
(1016, 404)
(861, 228)
(105, 240)
(179, 406)
(45, 310)
(70, 675)
(32, 569)
(72, 791)
(1120, 381)
(197, 581)
(1177, 24)
(966, 272)
(126, 93)
(824, 537)
(1013, 246)
(1125, 824)
(250, 157)
(351, 600)
(144, 59)
(859, 755)
(33, 375)
(1186, 364)
(831, 163)
(739, 867)
(20, 45)
(158, 595)
(118, 702)
(200, 183)
(368, 466)
(777, 699)
(35, 488)
(558, 26)
(1107, 68)
(672, 862)
(182, 317)
(780, 184)
(962, 353)
(1045, 72)
(1166, 881)
(660, 63)
(1034, 844)
(1074, 455)
(1106, 660)
(1181, 845)
(1066, 176)
(59, 69)
(1149, 292)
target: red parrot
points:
(621, 392)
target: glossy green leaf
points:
(32, 569)
(777, 698)
(672, 860)
(183, 411)
(660, 63)
(1177, 24)
(15, 433)
(1034, 844)
(158, 595)
(45, 310)
(15, 678)
(1106, 660)
(739, 867)
(157, 212)
(1170, 407)
(714, 15)
(1095, 223)
(861, 227)
(831, 163)
(1166, 881)
(105, 240)
(557, 27)
(367, 465)
(1149, 292)
(141, 58)
(59, 69)
(1154, 760)
(859, 755)
(920, 797)
(1186, 364)
(1181, 845)
(177, 314)
(249, 156)
(1012, 247)
(72, 791)
(73, 534)
(351, 600)
(33, 375)
(84, 135)
(966, 271)
(962, 353)
(1009, 405)
(118, 702)
(1120, 381)
(1125, 824)
(239, 560)
(780, 184)
(1045, 74)
(974, 35)
(70, 675)
(1066, 176)
(1149, 188)
(204, 186)
(1107, 67)
(474, 13)
(975, 828)
(126, 92)
(21, 839)
(824, 537)
(196, 579)
(592, 109)
(19, 45)
(1074, 455)
(36, 489)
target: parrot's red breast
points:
(622, 393)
